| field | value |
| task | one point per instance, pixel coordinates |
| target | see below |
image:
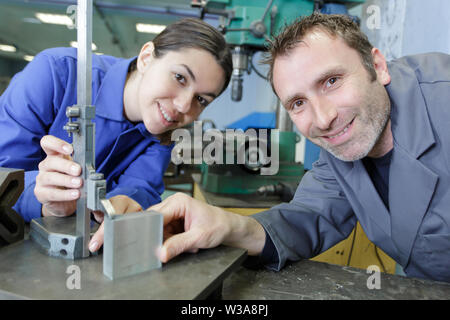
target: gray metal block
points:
(130, 243)
(57, 236)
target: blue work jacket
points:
(131, 159)
(334, 195)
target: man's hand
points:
(58, 182)
(122, 204)
(190, 224)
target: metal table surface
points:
(25, 272)
(308, 280)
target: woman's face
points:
(174, 89)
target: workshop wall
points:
(407, 27)
(427, 27)
(8, 68)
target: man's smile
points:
(339, 136)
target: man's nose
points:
(324, 113)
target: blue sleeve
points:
(142, 180)
(318, 217)
(26, 112)
(27, 204)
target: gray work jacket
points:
(335, 194)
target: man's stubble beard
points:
(375, 119)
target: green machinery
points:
(247, 25)
(266, 162)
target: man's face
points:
(330, 96)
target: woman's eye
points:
(203, 102)
(180, 78)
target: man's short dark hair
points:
(335, 25)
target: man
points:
(384, 130)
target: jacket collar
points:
(411, 183)
(408, 110)
(109, 100)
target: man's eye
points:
(297, 105)
(180, 78)
(331, 81)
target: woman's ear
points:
(380, 65)
(145, 56)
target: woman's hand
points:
(58, 182)
(58, 187)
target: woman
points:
(138, 102)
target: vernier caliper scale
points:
(130, 240)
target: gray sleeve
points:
(318, 217)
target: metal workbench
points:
(308, 280)
(25, 272)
